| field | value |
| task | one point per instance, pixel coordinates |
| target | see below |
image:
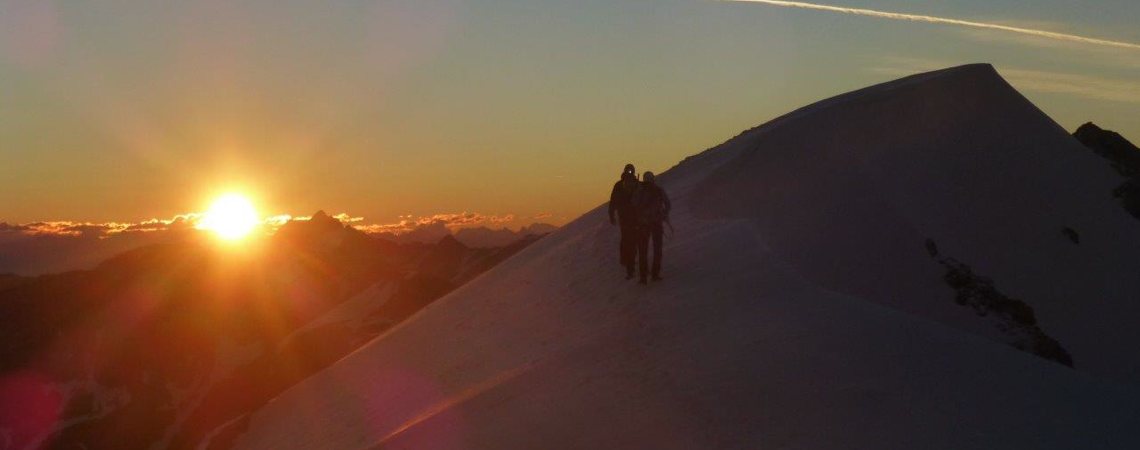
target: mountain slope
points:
(806, 303)
(1123, 156)
(962, 159)
(172, 345)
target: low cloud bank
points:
(56, 246)
(408, 224)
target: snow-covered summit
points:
(959, 158)
(872, 271)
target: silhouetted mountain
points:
(1124, 158)
(171, 344)
(486, 237)
(445, 258)
(35, 255)
(422, 234)
(537, 229)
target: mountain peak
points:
(1122, 155)
(450, 242)
(964, 78)
(971, 67)
(323, 220)
(960, 92)
(1088, 127)
(963, 72)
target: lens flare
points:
(231, 217)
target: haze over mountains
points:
(24, 251)
(477, 237)
(926, 263)
(172, 344)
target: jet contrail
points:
(943, 20)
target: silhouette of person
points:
(652, 206)
(621, 202)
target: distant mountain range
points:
(478, 237)
(24, 254)
(171, 345)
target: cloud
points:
(501, 219)
(897, 66)
(6, 227)
(390, 228)
(1076, 85)
(1098, 55)
(279, 220)
(409, 224)
(406, 224)
(64, 228)
(345, 218)
(54, 246)
(948, 21)
(1084, 86)
(542, 215)
(100, 230)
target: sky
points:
(511, 111)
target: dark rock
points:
(1122, 155)
(1015, 317)
(1110, 145)
(1072, 235)
(931, 248)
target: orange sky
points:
(117, 112)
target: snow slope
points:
(800, 308)
(962, 159)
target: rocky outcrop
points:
(1124, 158)
(1013, 317)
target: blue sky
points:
(125, 111)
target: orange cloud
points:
(406, 224)
(345, 218)
(91, 229)
(451, 221)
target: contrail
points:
(944, 20)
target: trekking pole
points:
(668, 222)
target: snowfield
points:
(802, 305)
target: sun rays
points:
(231, 217)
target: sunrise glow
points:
(231, 217)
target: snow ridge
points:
(800, 307)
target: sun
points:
(231, 217)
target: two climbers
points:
(642, 209)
